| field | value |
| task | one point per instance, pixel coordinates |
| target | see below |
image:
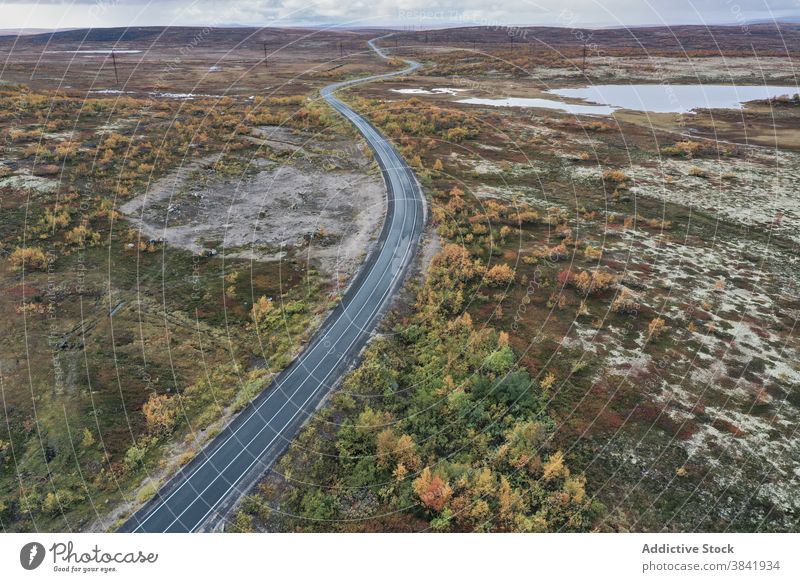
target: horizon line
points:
(404, 28)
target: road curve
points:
(202, 493)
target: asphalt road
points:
(199, 497)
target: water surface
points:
(97, 52)
(434, 91)
(675, 98)
(543, 103)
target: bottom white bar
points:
(402, 557)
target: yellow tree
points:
(29, 259)
(500, 274)
(160, 413)
(261, 309)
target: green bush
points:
(134, 456)
(500, 361)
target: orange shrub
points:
(500, 274)
(457, 261)
(625, 302)
(615, 176)
(433, 491)
(593, 253)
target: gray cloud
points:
(54, 13)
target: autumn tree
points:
(456, 260)
(523, 443)
(160, 413)
(55, 220)
(400, 450)
(231, 279)
(656, 328)
(82, 236)
(555, 468)
(594, 282)
(28, 259)
(625, 302)
(261, 309)
(432, 490)
(500, 275)
(593, 253)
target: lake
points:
(674, 98)
(97, 52)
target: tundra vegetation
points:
(634, 344)
(121, 354)
(605, 338)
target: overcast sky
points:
(410, 13)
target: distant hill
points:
(768, 37)
(780, 37)
(175, 36)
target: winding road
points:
(203, 492)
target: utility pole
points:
(266, 65)
(584, 59)
(114, 60)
